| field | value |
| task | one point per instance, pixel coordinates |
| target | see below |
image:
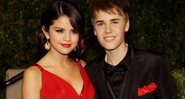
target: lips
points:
(66, 45)
(109, 38)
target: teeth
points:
(109, 38)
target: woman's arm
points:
(31, 83)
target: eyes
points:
(61, 30)
(74, 32)
(102, 23)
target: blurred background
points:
(156, 25)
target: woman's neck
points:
(55, 59)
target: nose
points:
(67, 37)
(108, 28)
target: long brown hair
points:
(61, 8)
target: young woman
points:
(56, 75)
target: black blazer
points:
(145, 69)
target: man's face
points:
(110, 29)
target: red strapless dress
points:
(54, 87)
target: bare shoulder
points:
(32, 71)
(32, 74)
(31, 83)
(83, 63)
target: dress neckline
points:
(61, 79)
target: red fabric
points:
(54, 87)
(146, 89)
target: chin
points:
(109, 48)
(65, 53)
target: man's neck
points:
(115, 56)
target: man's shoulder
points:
(93, 68)
(147, 54)
(94, 65)
(150, 59)
(94, 62)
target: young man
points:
(125, 72)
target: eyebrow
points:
(58, 28)
(98, 21)
(116, 19)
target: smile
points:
(109, 38)
(66, 45)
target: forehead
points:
(112, 12)
(62, 21)
(107, 15)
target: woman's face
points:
(62, 36)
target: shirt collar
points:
(125, 60)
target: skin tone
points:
(110, 30)
(63, 39)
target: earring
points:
(75, 49)
(47, 45)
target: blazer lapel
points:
(101, 88)
(131, 80)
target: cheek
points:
(100, 38)
(99, 35)
(123, 26)
(52, 34)
(76, 38)
(120, 29)
(55, 37)
(99, 28)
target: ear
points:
(45, 32)
(127, 26)
(95, 33)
